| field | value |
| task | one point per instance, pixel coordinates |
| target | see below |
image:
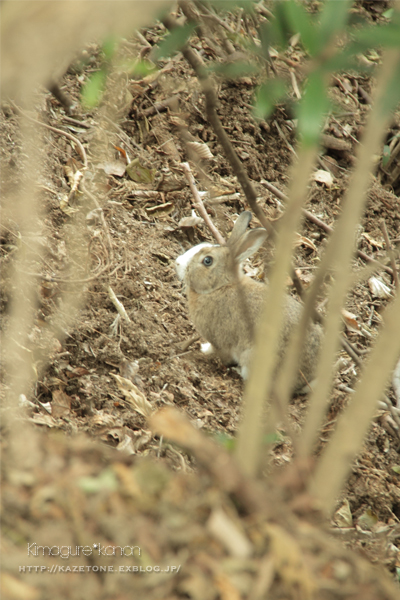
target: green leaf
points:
(267, 97)
(93, 89)
(385, 157)
(227, 441)
(388, 14)
(387, 36)
(140, 69)
(273, 438)
(333, 19)
(106, 480)
(301, 22)
(109, 46)
(232, 5)
(392, 97)
(139, 173)
(347, 59)
(312, 109)
(174, 41)
(276, 34)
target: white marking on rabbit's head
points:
(210, 269)
(181, 263)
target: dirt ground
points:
(133, 252)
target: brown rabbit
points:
(219, 294)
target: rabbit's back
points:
(309, 354)
(229, 323)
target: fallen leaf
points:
(61, 404)
(47, 420)
(139, 173)
(350, 321)
(304, 241)
(162, 209)
(324, 177)
(373, 242)
(190, 221)
(201, 149)
(113, 167)
(343, 517)
(378, 288)
(396, 382)
(367, 520)
(134, 396)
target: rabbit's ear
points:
(239, 227)
(249, 244)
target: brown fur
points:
(225, 305)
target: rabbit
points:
(224, 303)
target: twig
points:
(202, 31)
(173, 425)
(142, 39)
(327, 228)
(198, 66)
(210, 15)
(390, 253)
(198, 204)
(64, 99)
(121, 133)
(118, 305)
(160, 106)
(183, 346)
(294, 84)
(59, 131)
(351, 351)
(76, 122)
(283, 137)
(103, 221)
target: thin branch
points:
(198, 204)
(195, 61)
(71, 137)
(327, 228)
(173, 425)
(391, 254)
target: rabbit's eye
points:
(207, 261)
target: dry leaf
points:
(367, 520)
(161, 209)
(378, 288)
(43, 420)
(396, 382)
(324, 177)
(289, 562)
(372, 241)
(144, 194)
(229, 534)
(350, 321)
(190, 221)
(201, 149)
(303, 241)
(61, 404)
(343, 517)
(15, 589)
(113, 167)
(134, 396)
